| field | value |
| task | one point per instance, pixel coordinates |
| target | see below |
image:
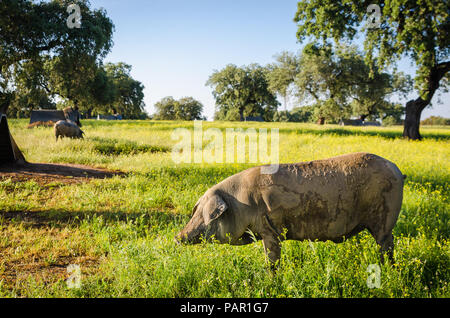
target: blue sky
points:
(175, 45)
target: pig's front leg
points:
(272, 247)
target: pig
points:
(322, 200)
(67, 128)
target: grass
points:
(120, 230)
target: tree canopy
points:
(241, 92)
(281, 75)
(28, 29)
(41, 57)
(340, 84)
(186, 108)
(127, 93)
(47, 64)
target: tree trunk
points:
(10, 153)
(321, 121)
(89, 113)
(241, 114)
(414, 110)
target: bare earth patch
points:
(44, 173)
(30, 248)
(33, 247)
(16, 272)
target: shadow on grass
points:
(46, 173)
(64, 170)
(62, 218)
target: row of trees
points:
(436, 121)
(46, 64)
(333, 83)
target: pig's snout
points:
(192, 232)
(179, 238)
(183, 238)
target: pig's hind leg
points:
(381, 229)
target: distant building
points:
(109, 117)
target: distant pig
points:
(330, 199)
(68, 129)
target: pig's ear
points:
(214, 208)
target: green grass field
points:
(121, 230)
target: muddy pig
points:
(67, 128)
(330, 199)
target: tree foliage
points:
(281, 75)
(436, 121)
(41, 56)
(304, 114)
(340, 84)
(241, 92)
(186, 108)
(127, 93)
(28, 28)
